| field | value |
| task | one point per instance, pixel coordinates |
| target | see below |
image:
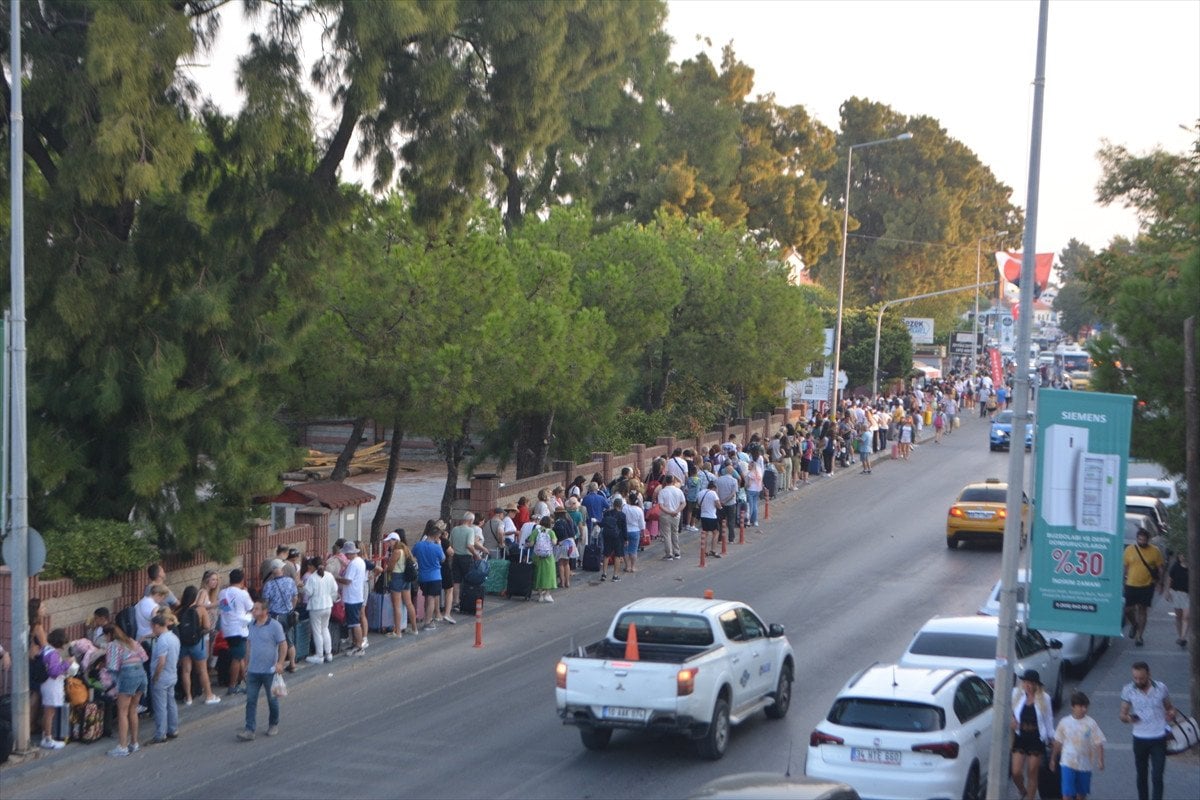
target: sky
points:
(1126, 72)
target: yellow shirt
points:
(1136, 573)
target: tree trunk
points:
(533, 443)
(342, 468)
(513, 211)
(389, 483)
(452, 451)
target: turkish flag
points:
(1009, 264)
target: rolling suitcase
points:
(520, 576)
(467, 595)
(770, 483)
(380, 617)
(497, 578)
(591, 558)
(87, 722)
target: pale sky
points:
(1124, 71)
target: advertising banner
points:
(995, 366)
(920, 329)
(1076, 571)
(965, 343)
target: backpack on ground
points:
(189, 631)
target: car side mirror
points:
(774, 630)
(1055, 644)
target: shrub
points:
(96, 549)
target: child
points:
(58, 663)
(100, 617)
(1079, 742)
(565, 550)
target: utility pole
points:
(1005, 649)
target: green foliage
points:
(96, 549)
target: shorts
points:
(633, 539)
(237, 647)
(354, 615)
(1139, 595)
(132, 678)
(54, 692)
(197, 652)
(460, 566)
(1179, 599)
(432, 588)
(1075, 782)
(710, 523)
(397, 583)
(613, 547)
(1029, 744)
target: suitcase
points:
(520, 576)
(62, 723)
(87, 722)
(497, 579)
(1049, 783)
(6, 737)
(770, 482)
(467, 595)
(591, 558)
(380, 617)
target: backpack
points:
(542, 546)
(188, 630)
(38, 673)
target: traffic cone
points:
(631, 647)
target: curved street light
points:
(837, 336)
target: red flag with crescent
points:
(1009, 264)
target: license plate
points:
(871, 755)
(980, 514)
(622, 712)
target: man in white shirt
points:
(236, 605)
(353, 582)
(677, 466)
(671, 501)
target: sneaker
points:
(314, 659)
(602, 578)
(188, 702)
(174, 735)
(616, 578)
(141, 709)
(157, 740)
(361, 652)
(212, 701)
(549, 598)
(668, 558)
(390, 635)
(366, 643)
(328, 659)
(677, 556)
(449, 620)
(52, 744)
(245, 736)
(134, 747)
(119, 752)
(271, 731)
(429, 626)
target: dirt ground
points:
(416, 496)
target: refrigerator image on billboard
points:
(1076, 570)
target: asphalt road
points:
(851, 567)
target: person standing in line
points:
(1175, 592)
(124, 662)
(320, 593)
(429, 555)
(542, 541)
(1079, 745)
(865, 440)
(236, 606)
(466, 540)
(266, 652)
(613, 534)
(353, 581)
(164, 672)
(1146, 705)
(635, 523)
(280, 594)
(671, 505)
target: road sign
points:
(965, 343)
(36, 551)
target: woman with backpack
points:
(126, 663)
(401, 569)
(542, 540)
(193, 629)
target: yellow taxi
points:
(1081, 380)
(979, 514)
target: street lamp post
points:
(978, 262)
(837, 335)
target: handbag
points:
(410, 570)
(477, 574)
(278, 687)
(1184, 733)
(381, 583)
(1154, 573)
(338, 612)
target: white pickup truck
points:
(703, 666)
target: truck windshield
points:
(658, 628)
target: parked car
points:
(896, 732)
(1079, 650)
(1151, 507)
(702, 667)
(979, 513)
(1134, 522)
(1158, 488)
(773, 786)
(970, 643)
(1001, 431)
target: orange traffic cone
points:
(631, 647)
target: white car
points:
(1153, 487)
(896, 732)
(1079, 650)
(970, 643)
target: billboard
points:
(965, 343)
(1076, 571)
(920, 329)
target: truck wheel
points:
(712, 746)
(783, 695)
(595, 738)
